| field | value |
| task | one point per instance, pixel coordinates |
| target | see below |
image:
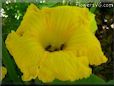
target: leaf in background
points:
(40, 5)
(93, 9)
(93, 79)
(111, 82)
(9, 64)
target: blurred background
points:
(12, 13)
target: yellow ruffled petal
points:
(27, 53)
(63, 66)
(84, 43)
(61, 25)
(33, 19)
(3, 72)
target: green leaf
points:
(93, 79)
(93, 9)
(9, 64)
(47, 4)
(111, 82)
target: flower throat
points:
(50, 48)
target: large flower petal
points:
(26, 52)
(86, 44)
(33, 19)
(64, 66)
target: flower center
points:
(50, 48)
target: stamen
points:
(62, 46)
(56, 49)
(51, 49)
(48, 47)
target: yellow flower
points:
(56, 43)
(3, 72)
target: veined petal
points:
(86, 44)
(33, 19)
(27, 53)
(63, 66)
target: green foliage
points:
(93, 9)
(93, 79)
(48, 4)
(111, 82)
(9, 64)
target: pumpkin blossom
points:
(3, 72)
(56, 43)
